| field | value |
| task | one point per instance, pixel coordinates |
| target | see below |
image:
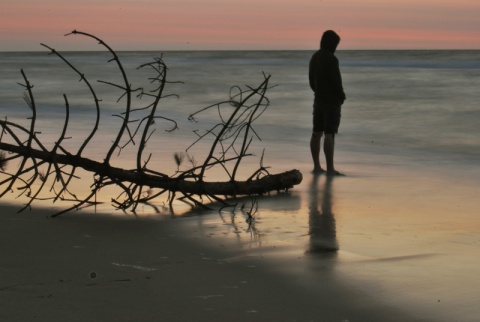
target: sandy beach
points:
(371, 246)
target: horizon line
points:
(242, 50)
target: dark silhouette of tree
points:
(53, 169)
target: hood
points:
(330, 41)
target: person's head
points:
(330, 41)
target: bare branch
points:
(233, 135)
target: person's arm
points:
(337, 82)
(311, 74)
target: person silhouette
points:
(326, 82)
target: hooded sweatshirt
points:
(324, 73)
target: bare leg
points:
(315, 150)
(329, 149)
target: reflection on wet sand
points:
(322, 228)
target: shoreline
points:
(117, 269)
(401, 256)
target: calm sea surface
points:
(403, 108)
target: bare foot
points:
(334, 173)
(318, 171)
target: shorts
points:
(326, 118)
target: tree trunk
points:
(275, 182)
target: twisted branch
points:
(233, 136)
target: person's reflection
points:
(322, 228)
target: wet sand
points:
(371, 246)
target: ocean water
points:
(413, 105)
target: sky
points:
(239, 24)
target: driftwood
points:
(39, 166)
